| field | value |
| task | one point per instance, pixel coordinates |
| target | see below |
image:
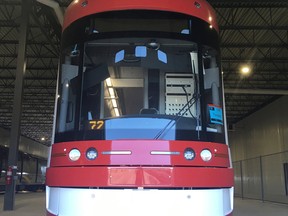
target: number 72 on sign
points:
(96, 125)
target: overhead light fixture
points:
(108, 82)
(245, 69)
(112, 97)
(116, 110)
(114, 103)
(153, 44)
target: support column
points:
(9, 197)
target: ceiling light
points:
(114, 103)
(116, 110)
(111, 92)
(153, 44)
(108, 82)
(245, 70)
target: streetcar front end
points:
(140, 122)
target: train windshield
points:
(140, 87)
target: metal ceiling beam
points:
(32, 78)
(65, 3)
(30, 69)
(266, 60)
(11, 2)
(251, 45)
(256, 91)
(247, 3)
(53, 33)
(229, 47)
(56, 7)
(245, 27)
(29, 42)
(12, 23)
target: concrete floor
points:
(33, 204)
(29, 204)
(247, 207)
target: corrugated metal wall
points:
(259, 147)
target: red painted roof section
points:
(82, 8)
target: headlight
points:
(74, 154)
(206, 155)
(189, 154)
(91, 154)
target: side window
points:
(67, 90)
(213, 91)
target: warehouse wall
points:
(259, 148)
(26, 145)
(264, 132)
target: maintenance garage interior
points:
(254, 34)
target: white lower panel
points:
(103, 202)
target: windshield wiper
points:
(189, 104)
(179, 115)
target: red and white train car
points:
(140, 122)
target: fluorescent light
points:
(108, 82)
(116, 110)
(111, 92)
(114, 103)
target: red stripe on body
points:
(140, 153)
(197, 177)
(140, 168)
